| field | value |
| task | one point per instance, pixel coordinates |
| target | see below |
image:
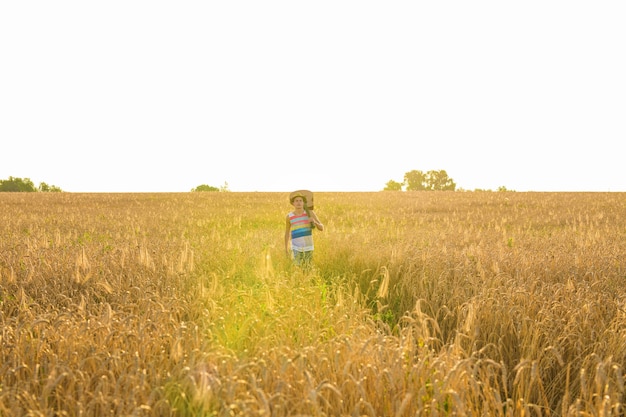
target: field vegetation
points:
(420, 303)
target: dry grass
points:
(498, 304)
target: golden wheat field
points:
(419, 303)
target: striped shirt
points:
(301, 235)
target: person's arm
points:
(287, 235)
(316, 221)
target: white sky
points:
(167, 95)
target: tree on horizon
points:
(417, 180)
(26, 185)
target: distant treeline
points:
(205, 187)
(417, 180)
(423, 181)
(25, 185)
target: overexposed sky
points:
(131, 96)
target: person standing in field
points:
(299, 228)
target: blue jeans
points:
(302, 258)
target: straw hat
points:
(306, 194)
